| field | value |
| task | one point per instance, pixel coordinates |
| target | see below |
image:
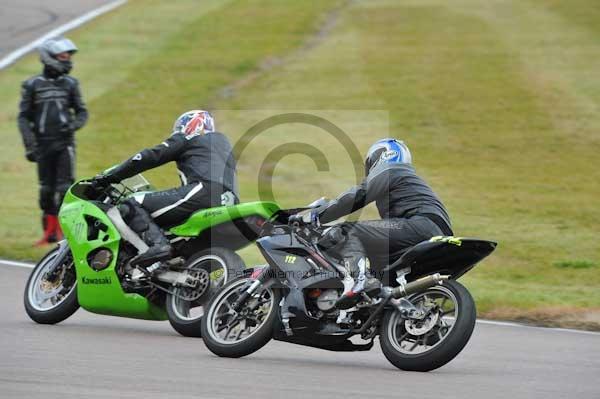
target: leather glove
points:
(100, 182)
(31, 154)
(311, 217)
(68, 127)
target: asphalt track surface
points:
(23, 21)
(90, 356)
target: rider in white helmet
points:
(206, 168)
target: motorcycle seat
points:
(409, 256)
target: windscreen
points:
(135, 184)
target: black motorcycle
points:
(423, 316)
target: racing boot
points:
(159, 247)
(363, 284)
(58, 234)
(49, 223)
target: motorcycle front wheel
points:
(51, 290)
(230, 333)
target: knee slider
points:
(126, 210)
(61, 190)
(134, 215)
(333, 237)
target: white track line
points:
(16, 264)
(21, 51)
(480, 321)
(512, 324)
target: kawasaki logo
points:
(103, 280)
(209, 214)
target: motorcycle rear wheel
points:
(431, 343)
(222, 265)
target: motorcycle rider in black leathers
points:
(50, 111)
(410, 213)
(206, 167)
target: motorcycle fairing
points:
(289, 261)
(88, 228)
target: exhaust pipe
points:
(418, 285)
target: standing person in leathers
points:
(50, 111)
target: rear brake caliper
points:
(408, 310)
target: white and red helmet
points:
(192, 123)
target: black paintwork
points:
(445, 258)
(296, 266)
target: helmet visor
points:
(57, 46)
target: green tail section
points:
(211, 217)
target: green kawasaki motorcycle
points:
(90, 268)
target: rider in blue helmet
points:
(410, 213)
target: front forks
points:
(54, 270)
(264, 275)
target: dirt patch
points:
(563, 317)
(327, 25)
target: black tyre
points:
(430, 343)
(50, 298)
(229, 334)
(213, 268)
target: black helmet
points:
(50, 48)
(388, 151)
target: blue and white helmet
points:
(193, 123)
(387, 151)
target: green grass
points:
(498, 101)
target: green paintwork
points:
(109, 299)
(208, 218)
(100, 291)
(450, 239)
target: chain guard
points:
(189, 294)
(203, 283)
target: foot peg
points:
(138, 274)
(152, 255)
(372, 288)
